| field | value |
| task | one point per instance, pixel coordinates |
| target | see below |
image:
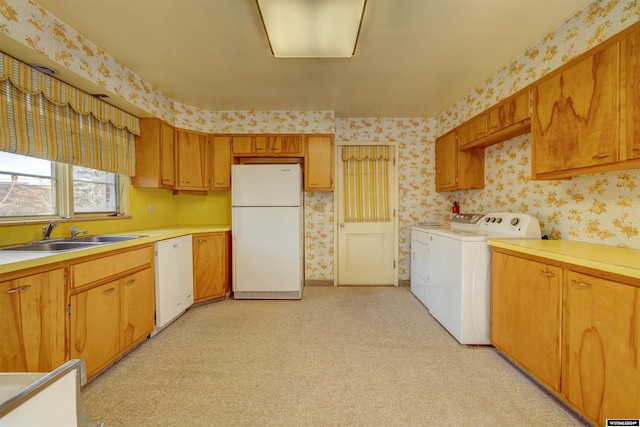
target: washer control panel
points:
(516, 224)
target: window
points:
(31, 187)
(94, 191)
(27, 186)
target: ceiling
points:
(414, 58)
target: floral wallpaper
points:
(602, 208)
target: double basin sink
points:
(69, 244)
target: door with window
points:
(366, 201)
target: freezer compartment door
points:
(267, 250)
(266, 185)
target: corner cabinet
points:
(573, 328)
(319, 163)
(33, 312)
(211, 265)
(456, 169)
(155, 155)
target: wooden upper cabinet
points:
(601, 336)
(193, 161)
(472, 130)
(447, 161)
(268, 146)
(575, 121)
(509, 112)
(319, 163)
(221, 163)
(155, 155)
(455, 169)
(633, 94)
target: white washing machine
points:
(451, 268)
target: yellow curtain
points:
(45, 118)
(366, 171)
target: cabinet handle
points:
(20, 289)
(165, 180)
(601, 156)
(575, 282)
(177, 245)
(185, 182)
(108, 291)
(201, 241)
(130, 282)
(546, 273)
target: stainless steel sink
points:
(106, 239)
(51, 246)
(70, 245)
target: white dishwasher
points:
(173, 278)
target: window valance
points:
(33, 82)
(45, 118)
(362, 152)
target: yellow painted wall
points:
(214, 208)
(165, 213)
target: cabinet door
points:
(509, 112)
(155, 155)
(221, 162)
(319, 163)
(601, 373)
(242, 144)
(167, 155)
(285, 145)
(472, 130)
(575, 120)
(209, 265)
(95, 326)
(525, 314)
(193, 161)
(633, 95)
(447, 162)
(32, 316)
(137, 307)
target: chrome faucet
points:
(47, 229)
(74, 231)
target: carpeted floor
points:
(338, 357)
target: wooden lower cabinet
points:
(211, 265)
(525, 315)
(137, 313)
(32, 322)
(576, 333)
(95, 326)
(112, 305)
(601, 370)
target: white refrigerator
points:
(267, 229)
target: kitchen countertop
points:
(11, 261)
(612, 259)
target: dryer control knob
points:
(515, 221)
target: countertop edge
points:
(592, 255)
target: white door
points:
(366, 250)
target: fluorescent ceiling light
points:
(312, 28)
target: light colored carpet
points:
(338, 357)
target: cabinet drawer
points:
(108, 266)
